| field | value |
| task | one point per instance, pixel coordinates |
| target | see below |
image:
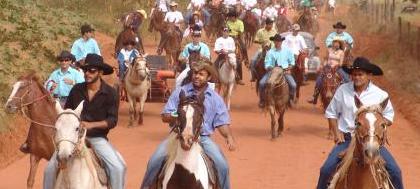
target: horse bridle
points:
(360, 138)
(178, 123)
(77, 151)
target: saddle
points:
(98, 164)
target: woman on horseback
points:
(194, 21)
(334, 59)
(125, 57)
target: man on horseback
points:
(339, 34)
(262, 37)
(133, 21)
(126, 57)
(225, 45)
(282, 57)
(162, 5)
(174, 16)
(216, 116)
(85, 45)
(295, 42)
(198, 5)
(270, 12)
(99, 116)
(340, 114)
(236, 28)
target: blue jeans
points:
(114, 164)
(289, 79)
(332, 162)
(209, 147)
(253, 64)
(121, 69)
(205, 13)
(344, 75)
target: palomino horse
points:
(216, 22)
(77, 164)
(362, 166)
(137, 83)
(283, 24)
(227, 74)
(299, 72)
(171, 42)
(127, 35)
(251, 26)
(187, 166)
(277, 98)
(29, 93)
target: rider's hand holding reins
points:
(337, 134)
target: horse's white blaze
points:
(371, 119)
(189, 113)
(16, 87)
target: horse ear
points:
(58, 107)
(79, 108)
(384, 103)
(357, 102)
(182, 96)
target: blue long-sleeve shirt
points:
(279, 57)
(58, 76)
(81, 48)
(343, 36)
(204, 50)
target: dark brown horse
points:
(330, 82)
(308, 22)
(259, 66)
(156, 21)
(30, 97)
(362, 166)
(251, 26)
(348, 55)
(283, 24)
(128, 34)
(170, 41)
(217, 20)
(299, 72)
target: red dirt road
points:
(292, 161)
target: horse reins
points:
(82, 132)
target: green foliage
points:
(31, 35)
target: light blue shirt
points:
(215, 111)
(81, 48)
(343, 36)
(283, 58)
(58, 76)
(204, 50)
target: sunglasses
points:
(91, 70)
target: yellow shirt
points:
(263, 35)
(236, 27)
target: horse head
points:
(370, 130)
(276, 77)
(190, 119)
(139, 67)
(194, 55)
(331, 81)
(69, 136)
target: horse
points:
(216, 22)
(331, 80)
(259, 66)
(299, 72)
(156, 21)
(127, 34)
(277, 99)
(187, 166)
(185, 77)
(283, 24)
(348, 55)
(77, 164)
(362, 166)
(251, 26)
(308, 22)
(137, 83)
(227, 74)
(29, 93)
(171, 41)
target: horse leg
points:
(142, 102)
(32, 171)
(274, 133)
(229, 94)
(281, 122)
(131, 110)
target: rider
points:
(216, 116)
(162, 5)
(262, 37)
(270, 12)
(236, 28)
(257, 10)
(339, 33)
(282, 10)
(194, 22)
(282, 57)
(174, 16)
(85, 45)
(99, 116)
(198, 5)
(225, 45)
(334, 58)
(126, 57)
(247, 5)
(295, 42)
(341, 112)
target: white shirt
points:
(270, 12)
(343, 107)
(295, 43)
(257, 11)
(174, 16)
(230, 2)
(248, 4)
(162, 6)
(227, 44)
(197, 4)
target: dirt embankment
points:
(10, 141)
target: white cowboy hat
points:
(142, 12)
(173, 3)
(296, 27)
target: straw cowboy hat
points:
(142, 12)
(295, 27)
(201, 65)
(173, 3)
(96, 61)
(362, 63)
(339, 25)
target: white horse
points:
(227, 74)
(186, 166)
(72, 153)
(137, 83)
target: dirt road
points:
(292, 161)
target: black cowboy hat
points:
(66, 55)
(96, 61)
(269, 21)
(339, 25)
(231, 13)
(363, 63)
(277, 37)
(86, 28)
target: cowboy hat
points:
(269, 21)
(339, 25)
(196, 13)
(66, 55)
(277, 37)
(231, 13)
(86, 28)
(96, 61)
(201, 65)
(142, 12)
(173, 3)
(296, 27)
(363, 63)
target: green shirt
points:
(236, 27)
(263, 35)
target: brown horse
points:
(29, 93)
(331, 80)
(362, 166)
(128, 34)
(277, 98)
(156, 21)
(251, 26)
(348, 56)
(283, 24)
(259, 66)
(171, 41)
(217, 21)
(299, 72)
(308, 22)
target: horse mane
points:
(172, 148)
(344, 165)
(31, 75)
